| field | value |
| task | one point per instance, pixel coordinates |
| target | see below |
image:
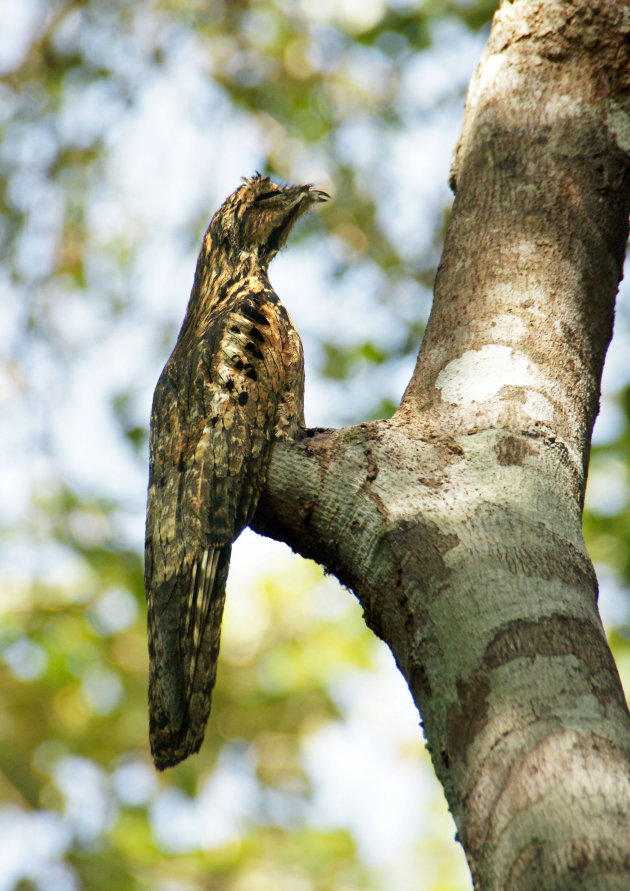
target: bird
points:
(233, 384)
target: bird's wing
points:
(211, 428)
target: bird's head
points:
(255, 221)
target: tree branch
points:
(458, 522)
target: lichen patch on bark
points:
(480, 375)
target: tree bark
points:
(457, 523)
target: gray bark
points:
(458, 522)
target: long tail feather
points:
(183, 675)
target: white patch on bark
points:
(508, 326)
(619, 123)
(480, 375)
(488, 75)
(562, 106)
(538, 406)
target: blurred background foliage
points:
(123, 125)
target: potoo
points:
(233, 383)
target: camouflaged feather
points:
(234, 381)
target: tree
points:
(458, 521)
(122, 126)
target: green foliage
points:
(73, 683)
(339, 361)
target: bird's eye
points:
(264, 195)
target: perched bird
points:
(233, 383)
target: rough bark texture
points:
(458, 522)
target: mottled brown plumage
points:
(234, 381)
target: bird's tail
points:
(183, 659)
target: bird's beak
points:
(317, 195)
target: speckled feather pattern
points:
(234, 381)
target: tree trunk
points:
(458, 522)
